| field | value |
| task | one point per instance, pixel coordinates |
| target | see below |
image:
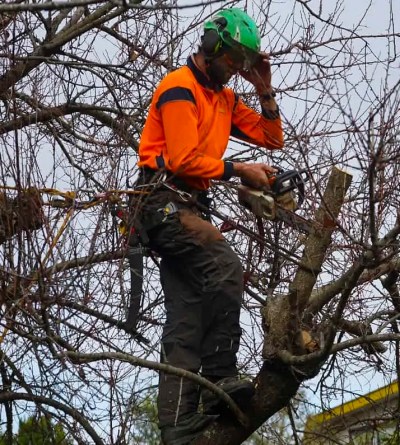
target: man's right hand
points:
(254, 175)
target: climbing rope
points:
(70, 197)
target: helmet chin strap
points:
(209, 58)
(212, 73)
(211, 70)
(207, 63)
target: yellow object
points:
(123, 229)
(352, 405)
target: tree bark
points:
(283, 314)
(276, 383)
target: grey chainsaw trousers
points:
(202, 280)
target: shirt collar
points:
(201, 77)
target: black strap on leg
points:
(136, 241)
(135, 258)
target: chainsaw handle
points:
(290, 180)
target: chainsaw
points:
(284, 196)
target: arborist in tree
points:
(191, 118)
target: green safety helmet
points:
(231, 28)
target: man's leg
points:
(202, 300)
(222, 333)
(180, 346)
(221, 341)
(191, 277)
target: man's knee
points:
(231, 271)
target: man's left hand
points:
(260, 74)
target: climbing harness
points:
(135, 232)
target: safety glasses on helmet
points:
(240, 58)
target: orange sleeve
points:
(180, 123)
(261, 129)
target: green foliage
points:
(146, 430)
(38, 431)
(392, 440)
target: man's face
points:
(222, 68)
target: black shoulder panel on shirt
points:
(237, 133)
(271, 115)
(176, 93)
(236, 101)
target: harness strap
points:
(135, 258)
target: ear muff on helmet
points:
(211, 41)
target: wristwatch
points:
(268, 96)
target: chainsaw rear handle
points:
(286, 181)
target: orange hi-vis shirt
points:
(189, 124)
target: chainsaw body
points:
(285, 196)
(263, 204)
